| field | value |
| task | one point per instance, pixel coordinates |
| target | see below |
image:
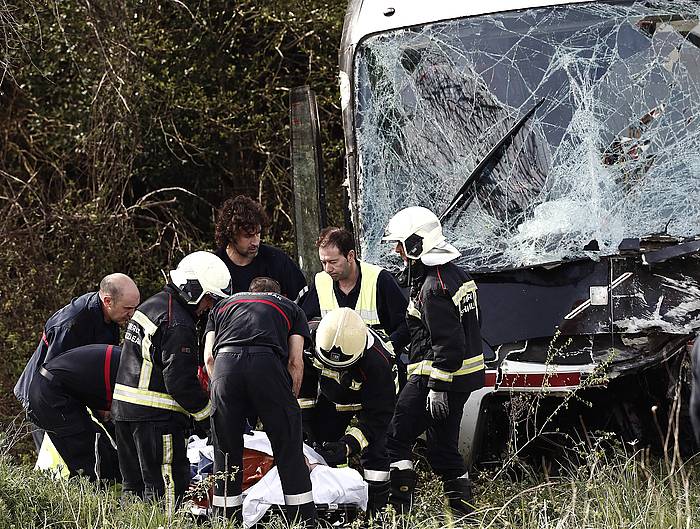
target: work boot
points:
(229, 513)
(459, 495)
(303, 515)
(377, 496)
(403, 483)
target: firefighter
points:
(92, 318)
(157, 393)
(350, 373)
(446, 360)
(254, 355)
(69, 397)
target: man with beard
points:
(239, 225)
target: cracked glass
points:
(561, 130)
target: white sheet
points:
(332, 486)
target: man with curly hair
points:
(239, 225)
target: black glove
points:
(335, 453)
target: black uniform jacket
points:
(391, 305)
(257, 319)
(368, 388)
(443, 323)
(270, 262)
(87, 374)
(81, 322)
(157, 378)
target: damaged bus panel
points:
(561, 144)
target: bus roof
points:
(365, 17)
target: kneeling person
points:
(353, 376)
(254, 355)
(60, 395)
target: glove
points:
(335, 453)
(437, 405)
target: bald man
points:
(92, 318)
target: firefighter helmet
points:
(419, 231)
(201, 273)
(341, 338)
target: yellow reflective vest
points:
(366, 305)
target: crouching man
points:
(445, 358)
(254, 355)
(350, 373)
(60, 395)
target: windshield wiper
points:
(466, 193)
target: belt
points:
(245, 349)
(46, 374)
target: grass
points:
(602, 486)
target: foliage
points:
(124, 124)
(603, 487)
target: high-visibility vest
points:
(366, 305)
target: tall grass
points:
(606, 488)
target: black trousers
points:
(411, 419)
(83, 444)
(153, 460)
(256, 382)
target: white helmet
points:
(341, 338)
(201, 273)
(420, 232)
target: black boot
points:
(303, 515)
(229, 513)
(378, 495)
(403, 483)
(459, 495)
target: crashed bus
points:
(560, 144)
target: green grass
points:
(603, 489)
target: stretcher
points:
(339, 493)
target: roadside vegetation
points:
(601, 487)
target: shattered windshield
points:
(549, 134)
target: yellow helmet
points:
(341, 338)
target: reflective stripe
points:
(102, 428)
(439, 374)
(348, 407)
(376, 475)
(299, 499)
(359, 436)
(330, 373)
(227, 501)
(306, 404)
(144, 397)
(366, 305)
(335, 375)
(425, 367)
(412, 310)
(203, 413)
(404, 464)
(96, 449)
(167, 473)
(465, 289)
(149, 329)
